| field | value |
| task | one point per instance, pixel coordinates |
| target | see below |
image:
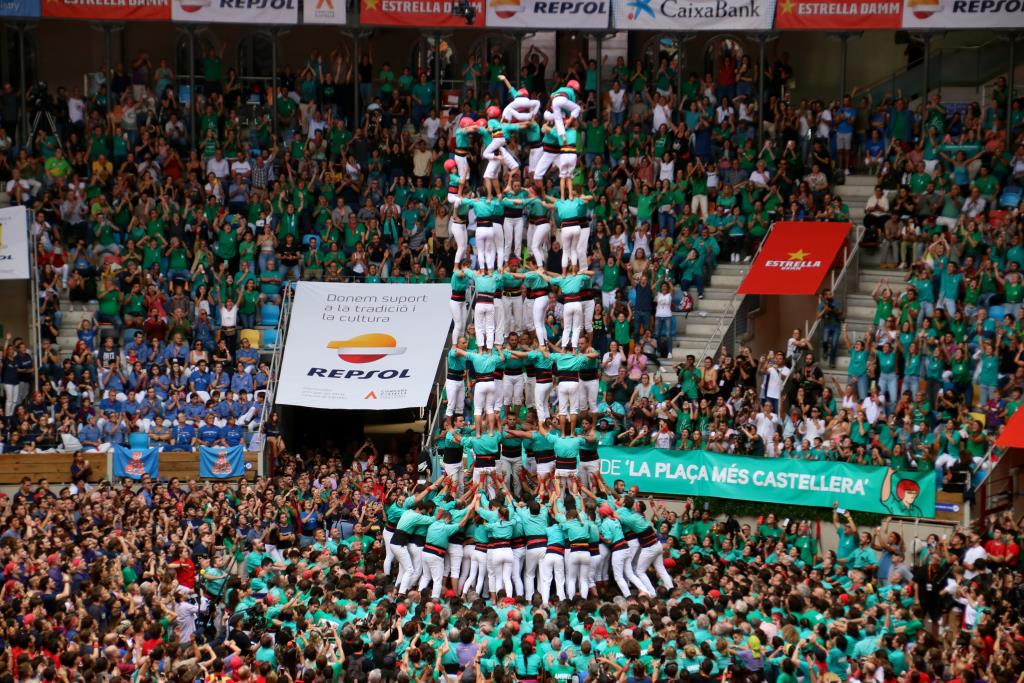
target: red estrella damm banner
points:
(111, 10)
(838, 14)
(795, 258)
(419, 13)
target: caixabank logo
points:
(363, 350)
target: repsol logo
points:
(570, 8)
(358, 374)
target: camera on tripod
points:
(464, 9)
(39, 97)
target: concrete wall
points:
(872, 56)
(773, 324)
(15, 315)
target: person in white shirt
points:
(241, 167)
(218, 166)
(76, 108)
(431, 127)
(612, 361)
(316, 124)
(617, 100)
(974, 553)
(663, 318)
(662, 113)
(760, 176)
(813, 427)
(824, 121)
(775, 372)
(872, 405)
(767, 422)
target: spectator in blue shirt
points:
(242, 380)
(201, 378)
(89, 434)
(220, 381)
(136, 348)
(248, 356)
(183, 434)
(209, 434)
(109, 403)
(195, 411)
(233, 433)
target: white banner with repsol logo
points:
(548, 14)
(363, 346)
(963, 14)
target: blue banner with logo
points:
(221, 463)
(134, 463)
(20, 8)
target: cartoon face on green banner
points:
(775, 480)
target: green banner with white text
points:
(772, 480)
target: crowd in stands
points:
(340, 566)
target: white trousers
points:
(457, 473)
(458, 309)
(460, 233)
(462, 165)
(500, 564)
(577, 573)
(433, 569)
(500, 321)
(581, 247)
(570, 238)
(562, 108)
(572, 323)
(515, 385)
(389, 555)
(542, 399)
(533, 158)
(401, 553)
(552, 567)
(622, 572)
(566, 165)
(568, 397)
(456, 552)
(477, 571)
(540, 306)
(483, 320)
(544, 163)
(589, 394)
(485, 398)
(513, 229)
(455, 390)
(539, 243)
(518, 555)
(486, 246)
(653, 556)
(531, 562)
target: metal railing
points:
(962, 66)
(841, 284)
(270, 398)
(34, 336)
(726, 327)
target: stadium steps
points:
(693, 332)
(860, 313)
(68, 335)
(855, 193)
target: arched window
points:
(204, 43)
(11, 58)
(254, 56)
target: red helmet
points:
(493, 112)
(482, 123)
(523, 92)
(465, 122)
(449, 165)
(574, 84)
